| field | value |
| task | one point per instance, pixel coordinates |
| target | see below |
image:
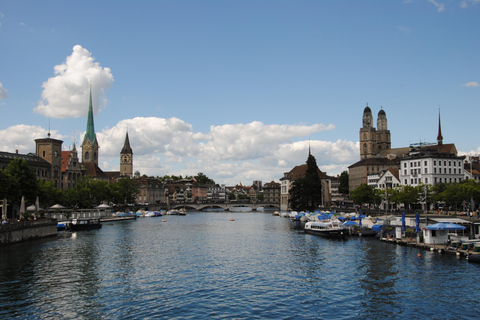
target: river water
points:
(203, 265)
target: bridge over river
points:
(224, 206)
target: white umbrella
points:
(4, 209)
(31, 208)
(57, 206)
(37, 207)
(22, 207)
(103, 206)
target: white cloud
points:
(468, 3)
(472, 84)
(67, 93)
(21, 137)
(228, 154)
(3, 92)
(440, 6)
(404, 30)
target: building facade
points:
(271, 193)
(429, 166)
(51, 150)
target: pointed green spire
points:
(90, 133)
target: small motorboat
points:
(332, 228)
(84, 224)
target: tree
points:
(23, 181)
(203, 179)
(4, 184)
(124, 191)
(48, 194)
(306, 192)
(344, 187)
(364, 194)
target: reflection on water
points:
(205, 266)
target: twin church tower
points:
(90, 147)
(374, 141)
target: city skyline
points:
(238, 90)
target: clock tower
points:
(126, 159)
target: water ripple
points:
(204, 266)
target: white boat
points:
(331, 228)
(149, 214)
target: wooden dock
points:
(430, 247)
(113, 219)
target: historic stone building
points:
(418, 163)
(51, 150)
(71, 168)
(271, 193)
(374, 141)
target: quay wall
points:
(27, 230)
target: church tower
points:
(367, 135)
(51, 150)
(374, 141)
(383, 134)
(90, 143)
(126, 159)
(439, 136)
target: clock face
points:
(126, 158)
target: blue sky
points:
(238, 89)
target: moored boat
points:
(474, 257)
(334, 229)
(84, 224)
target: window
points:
(405, 181)
(404, 164)
(434, 170)
(426, 180)
(445, 163)
(404, 172)
(425, 163)
(449, 163)
(426, 170)
(434, 162)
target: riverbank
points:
(27, 230)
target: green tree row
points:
(457, 196)
(18, 180)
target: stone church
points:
(66, 167)
(374, 141)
